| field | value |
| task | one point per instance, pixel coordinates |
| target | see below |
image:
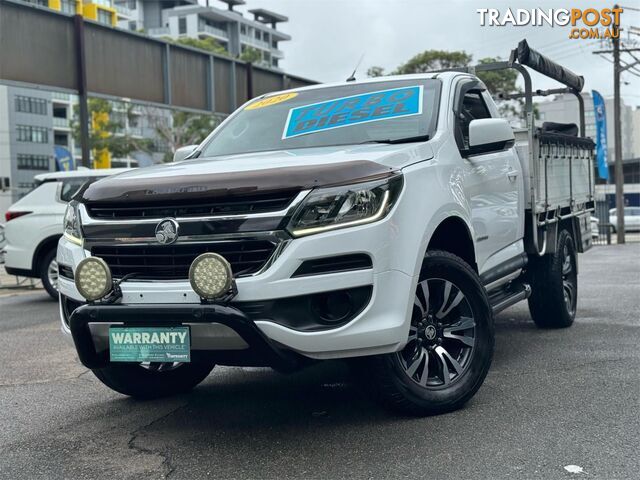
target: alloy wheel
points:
(568, 279)
(52, 273)
(441, 337)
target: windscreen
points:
(386, 111)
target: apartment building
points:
(228, 26)
(101, 11)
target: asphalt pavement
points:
(553, 399)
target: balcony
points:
(60, 97)
(60, 122)
(159, 32)
(123, 11)
(254, 42)
(204, 29)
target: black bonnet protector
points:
(152, 189)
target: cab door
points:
(492, 181)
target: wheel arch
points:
(43, 247)
(453, 235)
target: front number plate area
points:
(149, 344)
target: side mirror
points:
(489, 135)
(183, 152)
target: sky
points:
(330, 36)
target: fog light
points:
(93, 278)
(210, 276)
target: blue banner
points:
(353, 110)
(601, 135)
(64, 160)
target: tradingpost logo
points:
(585, 23)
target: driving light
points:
(210, 276)
(93, 278)
(327, 209)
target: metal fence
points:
(44, 47)
(40, 47)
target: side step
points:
(510, 296)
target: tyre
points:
(49, 273)
(154, 380)
(450, 344)
(554, 285)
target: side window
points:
(70, 187)
(472, 107)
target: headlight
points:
(346, 206)
(72, 230)
(93, 278)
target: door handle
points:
(512, 175)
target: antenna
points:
(352, 78)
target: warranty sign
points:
(354, 110)
(149, 344)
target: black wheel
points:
(49, 273)
(554, 285)
(450, 344)
(153, 380)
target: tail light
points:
(11, 215)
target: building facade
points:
(101, 11)
(229, 27)
(34, 122)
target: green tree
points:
(499, 81)
(106, 130)
(208, 44)
(375, 72)
(251, 55)
(430, 60)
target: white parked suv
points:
(385, 221)
(34, 225)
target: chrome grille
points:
(172, 262)
(227, 205)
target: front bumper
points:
(218, 333)
(381, 327)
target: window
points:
(68, 6)
(258, 34)
(29, 133)
(472, 108)
(132, 4)
(182, 25)
(70, 187)
(61, 139)
(243, 29)
(31, 105)
(133, 26)
(104, 16)
(33, 162)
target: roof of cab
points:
(413, 76)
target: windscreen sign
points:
(354, 110)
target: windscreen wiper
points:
(419, 138)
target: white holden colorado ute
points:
(384, 221)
